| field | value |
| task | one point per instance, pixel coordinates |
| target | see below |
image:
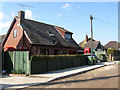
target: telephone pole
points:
(91, 18)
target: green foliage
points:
(13, 71)
(110, 51)
(101, 56)
(17, 71)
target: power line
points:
(23, 5)
(93, 17)
(105, 22)
(79, 10)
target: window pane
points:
(44, 52)
(63, 51)
(15, 32)
(68, 36)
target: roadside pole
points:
(91, 18)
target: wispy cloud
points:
(59, 15)
(28, 14)
(66, 5)
(3, 25)
(13, 14)
(1, 15)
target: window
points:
(63, 51)
(44, 52)
(50, 33)
(67, 36)
(15, 33)
(72, 52)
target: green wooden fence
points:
(16, 60)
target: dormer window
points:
(68, 36)
(15, 33)
(50, 33)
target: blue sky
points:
(73, 16)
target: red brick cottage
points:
(39, 38)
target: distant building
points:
(112, 44)
(97, 46)
(1, 38)
(1, 54)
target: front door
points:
(56, 52)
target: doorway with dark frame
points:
(56, 52)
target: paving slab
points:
(36, 79)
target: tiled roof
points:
(112, 44)
(83, 42)
(38, 34)
(63, 29)
(95, 44)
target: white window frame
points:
(15, 33)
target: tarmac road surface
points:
(104, 77)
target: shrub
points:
(111, 51)
(17, 71)
(101, 56)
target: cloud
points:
(28, 14)
(66, 5)
(13, 14)
(3, 25)
(59, 15)
(1, 15)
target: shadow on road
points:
(76, 81)
(55, 83)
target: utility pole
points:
(91, 18)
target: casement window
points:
(15, 33)
(44, 52)
(50, 33)
(68, 36)
(72, 52)
(63, 51)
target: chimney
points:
(21, 16)
(86, 38)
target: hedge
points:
(111, 51)
(44, 63)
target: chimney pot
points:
(86, 38)
(21, 16)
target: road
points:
(104, 77)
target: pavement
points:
(17, 82)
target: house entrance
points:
(56, 52)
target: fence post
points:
(28, 68)
(13, 59)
